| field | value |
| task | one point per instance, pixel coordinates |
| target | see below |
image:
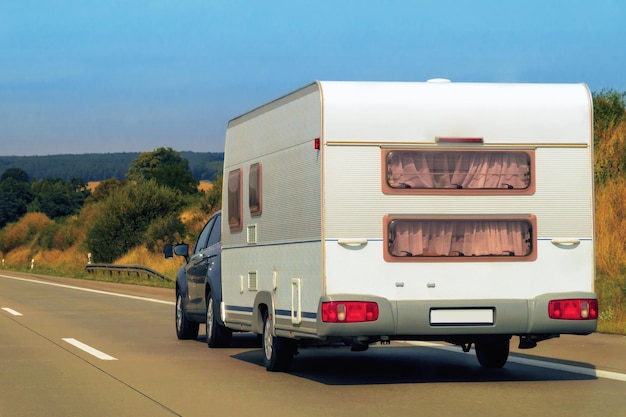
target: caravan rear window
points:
(455, 171)
(235, 221)
(460, 239)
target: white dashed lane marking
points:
(80, 345)
(11, 311)
(86, 348)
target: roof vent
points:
(438, 80)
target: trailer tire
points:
(216, 335)
(277, 351)
(185, 328)
(492, 353)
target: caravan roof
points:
(419, 112)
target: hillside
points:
(95, 167)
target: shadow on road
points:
(240, 340)
(407, 364)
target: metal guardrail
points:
(128, 269)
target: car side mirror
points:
(167, 251)
(182, 249)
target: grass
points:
(27, 255)
(71, 263)
(611, 298)
(610, 282)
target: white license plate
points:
(465, 316)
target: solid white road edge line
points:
(54, 284)
(598, 373)
(11, 311)
(86, 348)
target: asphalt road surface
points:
(80, 348)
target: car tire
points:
(185, 328)
(216, 334)
(277, 351)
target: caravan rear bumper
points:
(434, 319)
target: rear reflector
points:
(586, 309)
(349, 311)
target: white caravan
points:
(364, 212)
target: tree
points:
(106, 188)
(17, 174)
(15, 195)
(123, 219)
(166, 167)
(58, 198)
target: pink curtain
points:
(458, 169)
(459, 238)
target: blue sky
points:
(80, 76)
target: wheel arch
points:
(217, 295)
(263, 304)
(181, 284)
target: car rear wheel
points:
(216, 334)
(185, 328)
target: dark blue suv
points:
(199, 286)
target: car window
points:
(216, 232)
(201, 243)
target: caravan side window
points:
(235, 222)
(254, 190)
(447, 238)
(458, 171)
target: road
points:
(80, 348)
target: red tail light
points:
(573, 309)
(349, 311)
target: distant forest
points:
(97, 167)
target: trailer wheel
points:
(185, 328)
(493, 353)
(277, 351)
(216, 334)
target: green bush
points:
(212, 198)
(609, 135)
(123, 218)
(164, 230)
(46, 236)
(608, 110)
(58, 235)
